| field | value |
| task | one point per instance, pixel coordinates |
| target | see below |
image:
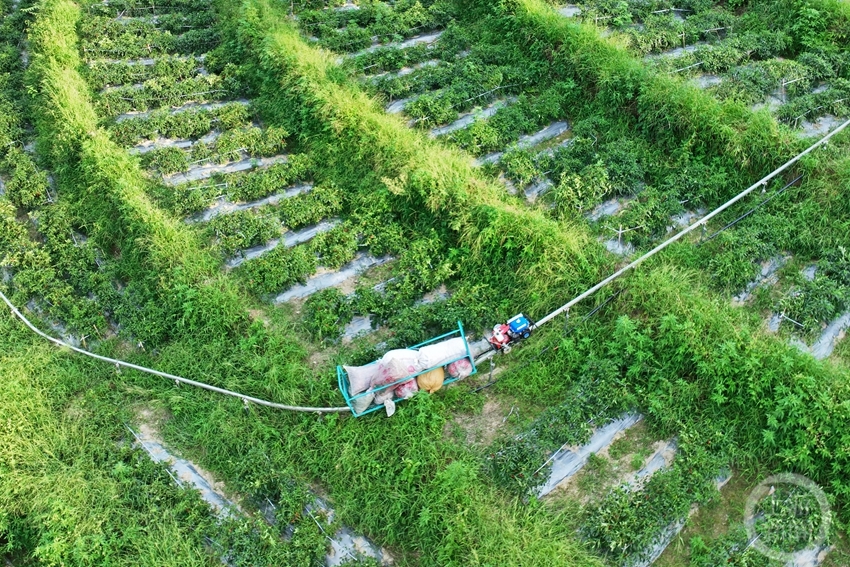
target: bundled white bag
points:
(441, 353)
(362, 403)
(384, 395)
(460, 368)
(395, 365)
(360, 377)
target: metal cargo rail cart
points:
(345, 384)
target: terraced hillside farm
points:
(213, 213)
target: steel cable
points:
(702, 222)
(178, 379)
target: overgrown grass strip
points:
(614, 83)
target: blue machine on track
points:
(505, 334)
(520, 326)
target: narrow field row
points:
(212, 538)
(759, 54)
(68, 448)
(369, 25)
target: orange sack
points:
(431, 381)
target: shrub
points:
(575, 194)
(520, 166)
(242, 229)
(326, 313)
(278, 269)
(28, 186)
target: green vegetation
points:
(100, 179)
(69, 492)
(103, 36)
(516, 464)
(191, 124)
(353, 30)
(242, 230)
(74, 490)
(231, 145)
(97, 244)
(627, 522)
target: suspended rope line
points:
(600, 306)
(177, 379)
(762, 182)
(751, 211)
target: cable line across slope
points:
(178, 379)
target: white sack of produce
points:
(396, 364)
(384, 395)
(439, 354)
(406, 390)
(460, 368)
(362, 404)
(360, 377)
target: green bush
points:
(321, 202)
(520, 166)
(326, 313)
(335, 247)
(815, 303)
(27, 186)
(592, 396)
(576, 194)
(527, 115)
(352, 30)
(730, 549)
(105, 187)
(228, 147)
(166, 160)
(105, 37)
(242, 229)
(102, 74)
(189, 124)
(627, 522)
(260, 183)
(254, 184)
(161, 92)
(453, 41)
(648, 216)
(278, 269)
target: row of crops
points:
(55, 268)
(601, 162)
(167, 272)
(183, 111)
(207, 151)
(235, 160)
(670, 495)
(209, 158)
(756, 53)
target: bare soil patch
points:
(479, 429)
